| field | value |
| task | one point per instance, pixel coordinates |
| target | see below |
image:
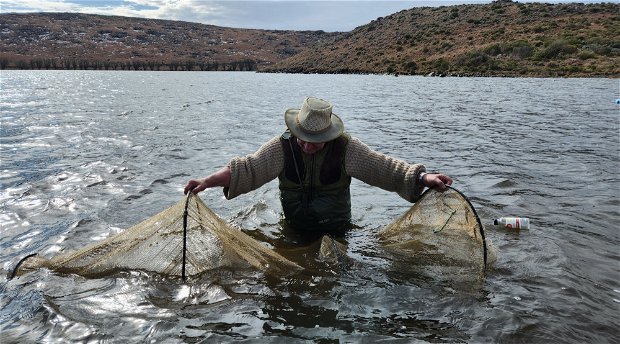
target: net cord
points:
(185, 213)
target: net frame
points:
(184, 240)
(393, 234)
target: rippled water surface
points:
(86, 154)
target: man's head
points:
(309, 147)
(314, 122)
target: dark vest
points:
(314, 189)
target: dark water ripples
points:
(86, 154)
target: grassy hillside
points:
(503, 38)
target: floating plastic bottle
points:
(513, 222)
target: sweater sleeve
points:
(382, 171)
(250, 172)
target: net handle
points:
(15, 270)
(185, 213)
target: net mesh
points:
(333, 252)
(157, 244)
(441, 233)
(440, 230)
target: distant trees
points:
(134, 64)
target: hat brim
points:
(334, 131)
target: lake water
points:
(85, 154)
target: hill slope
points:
(501, 38)
(85, 41)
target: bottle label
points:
(516, 222)
(513, 223)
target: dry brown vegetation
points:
(503, 38)
(83, 41)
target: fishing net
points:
(441, 233)
(333, 252)
(183, 240)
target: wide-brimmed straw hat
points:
(314, 122)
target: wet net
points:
(184, 240)
(441, 233)
(333, 252)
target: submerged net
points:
(441, 233)
(183, 240)
(333, 252)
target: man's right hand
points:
(219, 178)
(195, 186)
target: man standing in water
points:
(314, 161)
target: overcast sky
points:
(279, 15)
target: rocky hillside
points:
(503, 38)
(84, 41)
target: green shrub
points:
(522, 51)
(441, 64)
(599, 49)
(557, 49)
(410, 66)
(586, 55)
(447, 45)
(493, 49)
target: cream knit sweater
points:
(254, 170)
